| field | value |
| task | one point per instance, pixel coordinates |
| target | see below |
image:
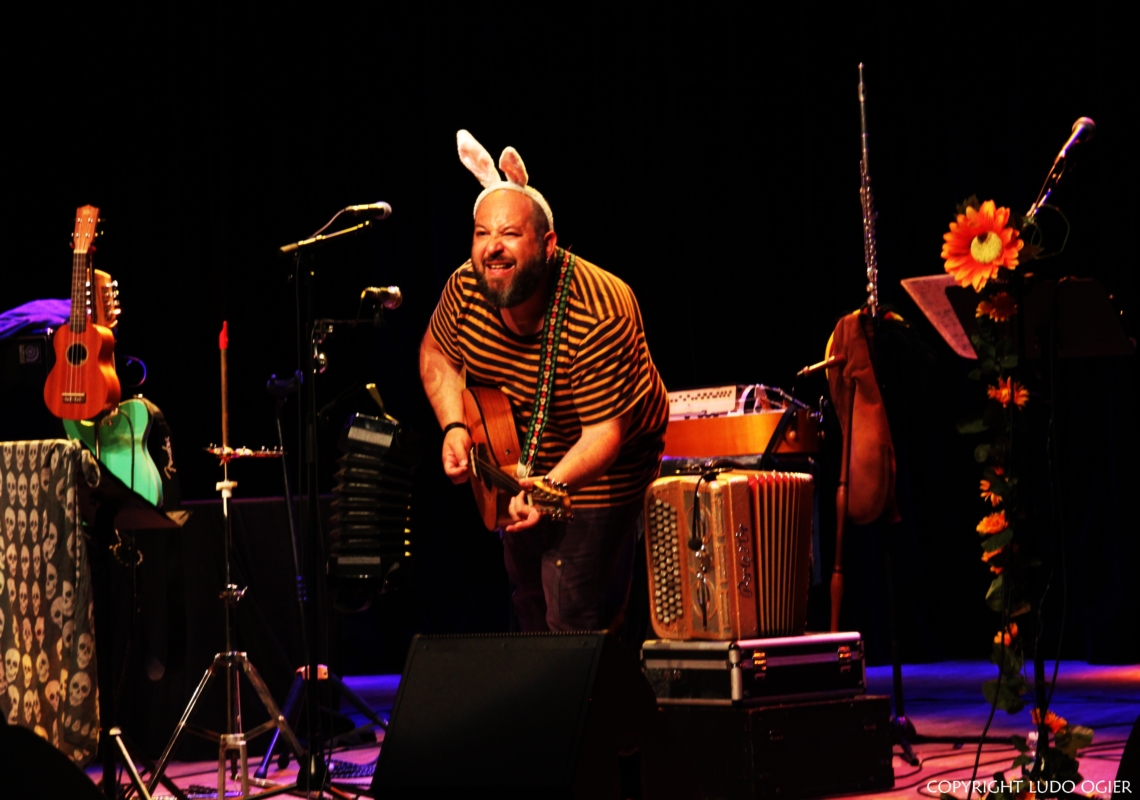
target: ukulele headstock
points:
(86, 221)
(551, 501)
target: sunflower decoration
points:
(1008, 391)
(999, 307)
(988, 493)
(1055, 722)
(993, 523)
(980, 243)
(1006, 637)
(982, 251)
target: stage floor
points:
(941, 700)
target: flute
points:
(867, 201)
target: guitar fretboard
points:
(80, 263)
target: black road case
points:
(816, 666)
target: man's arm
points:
(583, 464)
(444, 381)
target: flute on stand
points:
(867, 201)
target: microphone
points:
(388, 296)
(1083, 130)
(376, 210)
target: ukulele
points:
(83, 383)
(493, 459)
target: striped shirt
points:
(603, 370)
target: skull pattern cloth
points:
(47, 633)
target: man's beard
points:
(526, 281)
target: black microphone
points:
(378, 210)
(1083, 130)
(388, 296)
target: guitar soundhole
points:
(76, 354)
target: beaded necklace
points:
(544, 391)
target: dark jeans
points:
(573, 576)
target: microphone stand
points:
(313, 776)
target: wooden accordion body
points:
(750, 577)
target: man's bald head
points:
(537, 215)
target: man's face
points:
(507, 251)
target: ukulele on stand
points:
(83, 383)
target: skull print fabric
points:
(47, 632)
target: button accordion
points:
(739, 567)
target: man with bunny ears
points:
(564, 340)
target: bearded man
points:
(603, 433)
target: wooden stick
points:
(841, 509)
(224, 346)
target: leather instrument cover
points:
(871, 482)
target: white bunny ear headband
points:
(476, 158)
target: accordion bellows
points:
(749, 576)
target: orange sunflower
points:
(993, 497)
(1054, 721)
(1007, 636)
(1007, 391)
(993, 523)
(979, 244)
(999, 308)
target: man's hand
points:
(456, 447)
(523, 513)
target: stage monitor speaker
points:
(528, 715)
(1128, 773)
(33, 768)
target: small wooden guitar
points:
(493, 459)
(83, 383)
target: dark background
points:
(710, 161)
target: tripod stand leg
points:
(290, 711)
(181, 726)
(271, 706)
(357, 701)
(117, 735)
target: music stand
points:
(1087, 324)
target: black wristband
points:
(452, 425)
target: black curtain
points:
(709, 159)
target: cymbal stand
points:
(230, 663)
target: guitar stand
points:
(295, 700)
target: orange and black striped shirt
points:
(603, 370)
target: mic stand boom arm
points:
(322, 238)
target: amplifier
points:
(800, 750)
(25, 362)
(729, 554)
